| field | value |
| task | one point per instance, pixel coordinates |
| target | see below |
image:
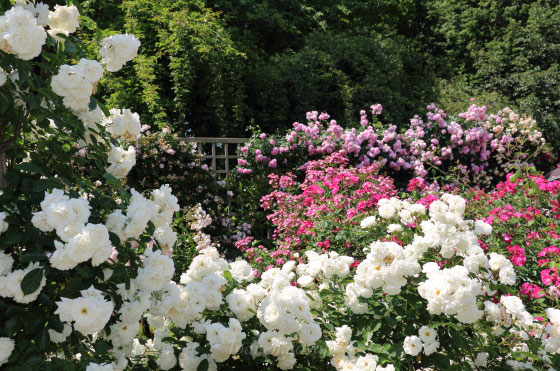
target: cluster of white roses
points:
(189, 359)
(451, 291)
(152, 290)
(322, 267)
(407, 212)
(20, 34)
(121, 161)
(504, 267)
(64, 20)
(284, 310)
(386, 266)
(88, 313)
(76, 84)
(123, 124)
(159, 210)
(510, 314)
(224, 341)
(426, 340)
(68, 216)
(344, 354)
(116, 50)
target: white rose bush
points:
(88, 281)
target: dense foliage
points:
(211, 67)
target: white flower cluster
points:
(481, 227)
(426, 340)
(123, 124)
(285, 310)
(224, 341)
(201, 288)
(64, 20)
(509, 311)
(159, 210)
(407, 212)
(20, 34)
(368, 222)
(7, 346)
(39, 10)
(118, 49)
(322, 267)
(150, 291)
(156, 271)
(504, 267)
(241, 271)
(451, 291)
(75, 84)
(385, 267)
(189, 359)
(201, 219)
(447, 230)
(121, 161)
(244, 303)
(10, 284)
(90, 312)
(68, 216)
(344, 354)
(551, 342)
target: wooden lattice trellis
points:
(220, 154)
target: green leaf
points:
(203, 365)
(30, 257)
(44, 339)
(377, 348)
(34, 101)
(40, 185)
(92, 104)
(103, 108)
(111, 179)
(29, 167)
(228, 276)
(31, 281)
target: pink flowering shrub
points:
(481, 146)
(321, 212)
(524, 212)
(474, 147)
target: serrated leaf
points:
(31, 281)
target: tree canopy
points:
(217, 67)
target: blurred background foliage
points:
(218, 67)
